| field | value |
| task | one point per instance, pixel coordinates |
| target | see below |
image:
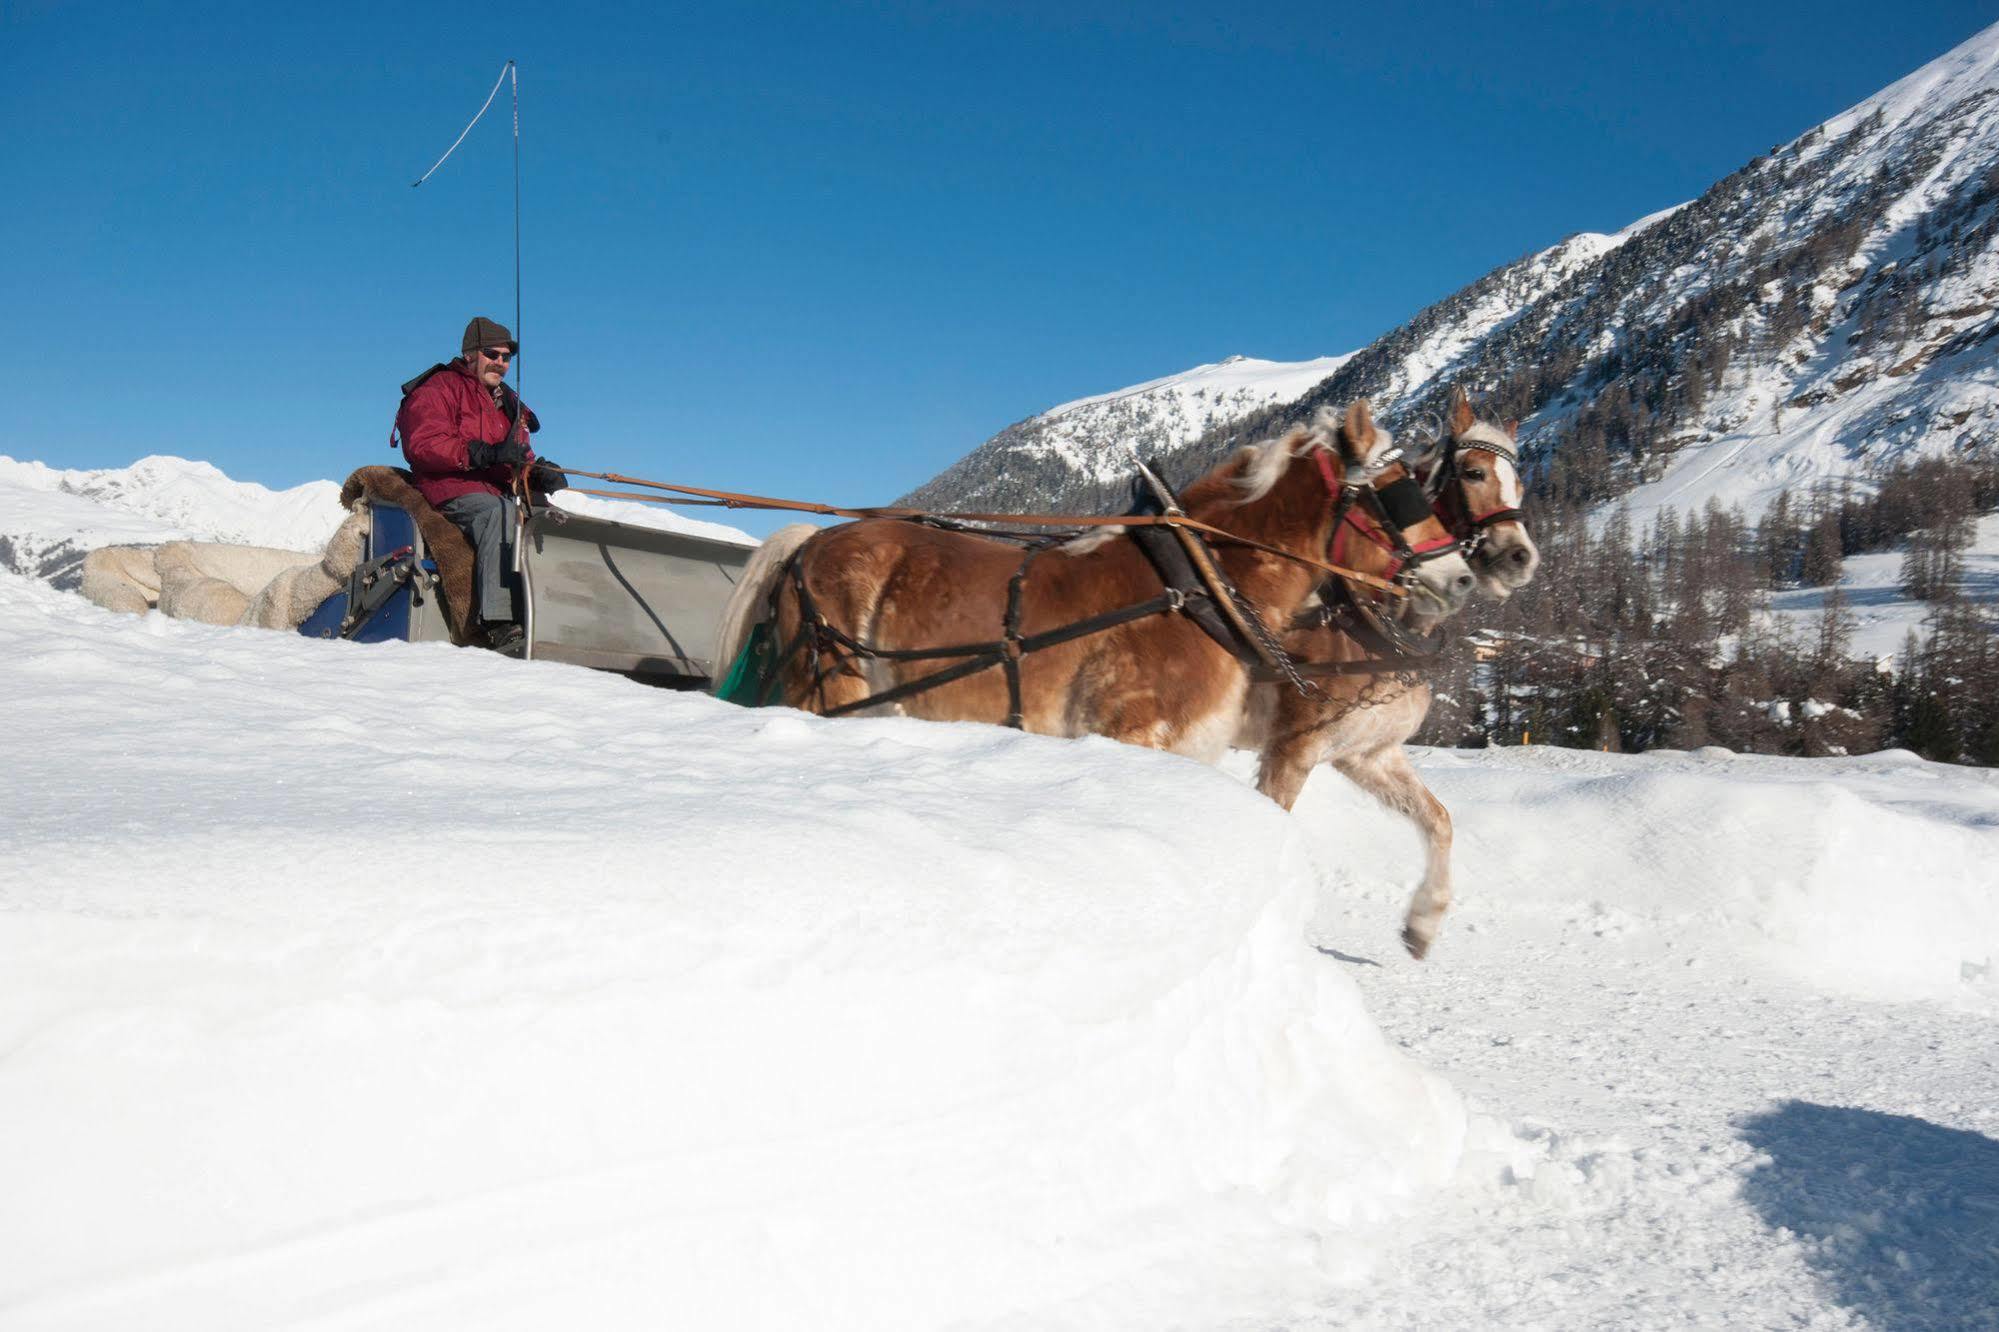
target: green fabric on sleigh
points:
(748, 682)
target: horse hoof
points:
(1417, 944)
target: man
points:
(465, 432)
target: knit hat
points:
(484, 332)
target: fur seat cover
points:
(447, 546)
(218, 583)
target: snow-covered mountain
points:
(51, 518)
(1824, 310)
(1087, 446)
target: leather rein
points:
(1194, 586)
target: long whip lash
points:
(504, 71)
(507, 71)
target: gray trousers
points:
(488, 523)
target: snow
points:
(555, 1000)
(1267, 381)
(1643, 224)
(1096, 438)
(1883, 615)
(550, 1000)
(1738, 1014)
(51, 518)
(1782, 449)
(1966, 69)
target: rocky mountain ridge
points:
(1824, 311)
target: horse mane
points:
(1258, 466)
(1254, 469)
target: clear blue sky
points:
(817, 250)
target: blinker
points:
(1404, 502)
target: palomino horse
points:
(1361, 721)
(850, 598)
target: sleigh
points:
(607, 595)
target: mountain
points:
(51, 518)
(1824, 311)
(55, 517)
(1086, 447)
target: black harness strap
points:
(1340, 609)
(815, 630)
(1010, 657)
(983, 656)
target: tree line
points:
(1636, 638)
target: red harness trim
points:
(1366, 525)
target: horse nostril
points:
(1464, 583)
(1520, 555)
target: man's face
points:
(490, 364)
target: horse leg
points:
(1286, 762)
(1388, 776)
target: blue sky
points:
(817, 251)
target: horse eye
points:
(1474, 473)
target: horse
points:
(1360, 722)
(860, 608)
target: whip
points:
(509, 72)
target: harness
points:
(1381, 516)
(1193, 584)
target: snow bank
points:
(1869, 876)
(404, 986)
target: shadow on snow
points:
(1899, 1216)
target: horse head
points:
(1383, 523)
(1472, 474)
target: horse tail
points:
(749, 604)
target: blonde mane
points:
(1262, 464)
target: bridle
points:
(1448, 501)
(1384, 515)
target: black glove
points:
(479, 456)
(546, 477)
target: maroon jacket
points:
(443, 410)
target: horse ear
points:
(1513, 430)
(1358, 430)
(1461, 413)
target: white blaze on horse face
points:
(1509, 481)
(1507, 557)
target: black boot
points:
(506, 638)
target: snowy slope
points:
(50, 519)
(1882, 615)
(1089, 444)
(565, 1002)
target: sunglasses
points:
(502, 354)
